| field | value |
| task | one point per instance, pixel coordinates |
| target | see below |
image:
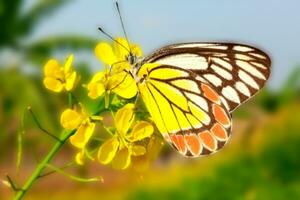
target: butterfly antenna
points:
(123, 27)
(110, 37)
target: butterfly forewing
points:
(235, 71)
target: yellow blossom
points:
(124, 144)
(116, 77)
(120, 83)
(60, 78)
(117, 55)
(84, 124)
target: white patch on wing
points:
(258, 55)
(221, 72)
(199, 78)
(201, 45)
(231, 94)
(198, 100)
(185, 61)
(248, 79)
(225, 103)
(242, 57)
(216, 81)
(242, 48)
(224, 64)
(242, 88)
(259, 65)
(249, 68)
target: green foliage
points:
(15, 25)
(289, 92)
(39, 51)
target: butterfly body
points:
(190, 90)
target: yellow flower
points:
(117, 55)
(116, 77)
(59, 78)
(120, 83)
(125, 143)
(84, 124)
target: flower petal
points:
(141, 131)
(124, 85)
(96, 87)
(122, 51)
(122, 159)
(95, 90)
(82, 135)
(108, 150)
(70, 81)
(79, 158)
(52, 69)
(70, 119)
(98, 77)
(68, 64)
(53, 84)
(124, 118)
(138, 150)
(105, 53)
(136, 50)
(119, 67)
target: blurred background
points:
(262, 160)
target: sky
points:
(272, 25)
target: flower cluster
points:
(130, 141)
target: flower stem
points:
(41, 166)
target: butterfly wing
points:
(190, 90)
(189, 114)
(235, 71)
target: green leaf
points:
(75, 178)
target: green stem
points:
(106, 100)
(70, 100)
(41, 166)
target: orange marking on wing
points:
(208, 140)
(194, 144)
(219, 131)
(220, 115)
(178, 141)
(210, 93)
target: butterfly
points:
(191, 89)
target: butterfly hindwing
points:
(235, 71)
(189, 114)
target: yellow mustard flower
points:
(116, 77)
(120, 83)
(60, 78)
(119, 149)
(84, 124)
(116, 55)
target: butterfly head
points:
(131, 59)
